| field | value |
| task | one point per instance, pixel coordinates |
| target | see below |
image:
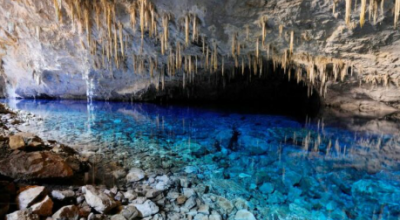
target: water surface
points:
(282, 167)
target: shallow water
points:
(282, 167)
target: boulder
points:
(135, 174)
(29, 196)
(34, 165)
(22, 215)
(98, 200)
(148, 208)
(244, 215)
(70, 212)
(44, 207)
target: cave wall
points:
(44, 57)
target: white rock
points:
(98, 200)
(244, 215)
(70, 212)
(147, 209)
(134, 175)
(29, 195)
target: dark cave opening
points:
(271, 91)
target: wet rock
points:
(62, 194)
(70, 212)
(130, 212)
(244, 215)
(44, 207)
(16, 142)
(135, 174)
(147, 209)
(118, 217)
(34, 165)
(22, 215)
(98, 200)
(29, 196)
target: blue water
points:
(282, 167)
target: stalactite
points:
(291, 42)
(362, 12)
(187, 30)
(375, 15)
(348, 12)
(257, 49)
(142, 17)
(195, 30)
(204, 44)
(396, 13)
(233, 48)
(280, 30)
(370, 9)
(133, 15)
(121, 40)
(87, 25)
(57, 7)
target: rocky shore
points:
(44, 179)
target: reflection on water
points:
(281, 167)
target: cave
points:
(199, 110)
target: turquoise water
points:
(282, 167)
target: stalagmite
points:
(348, 12)
(362, 12)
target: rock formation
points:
(346, 51)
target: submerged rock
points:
(34, 165)
(100, 201)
